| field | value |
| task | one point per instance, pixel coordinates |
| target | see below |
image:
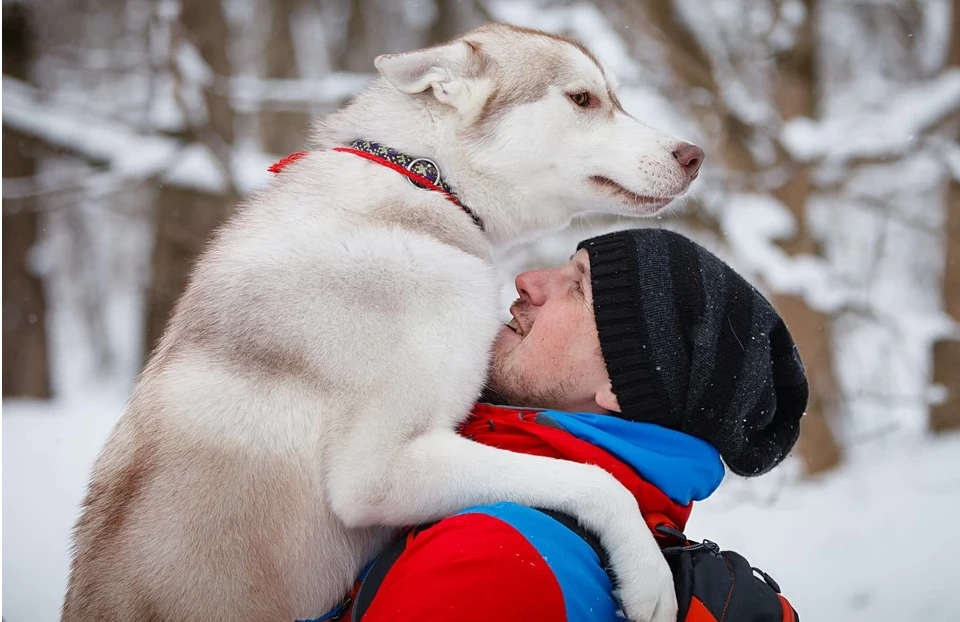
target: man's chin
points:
(502, 373)
(507, 338)
(511, 384)
(503, 346)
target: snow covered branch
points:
(101, 140)
(886, 132)
(126, 151)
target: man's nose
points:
(533, 286)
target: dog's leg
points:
(439, 473)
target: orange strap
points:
(698, 612)
(787, 610)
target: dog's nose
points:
(690, 158)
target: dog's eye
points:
(581, 99)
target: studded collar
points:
(421, 172)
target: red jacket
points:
(510, 563)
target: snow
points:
(249, 168)
(163, 112)
(720, 29)
(874, 541)
(197, 168)
(933, 41)
(128, 152)
(752, 229)
(885, 246)
(879, 227)
(47, 453)
(133, 154)
(950, 151)
(191, 65)
(250, 93)
(886, 132)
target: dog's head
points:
(536, 112)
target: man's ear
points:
(606, 399)
(447, 69)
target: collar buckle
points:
(425, 167)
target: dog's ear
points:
(449, 70)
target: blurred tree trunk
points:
(26, 371)
(204, 24)
(946, 352)
(383, 26)
(187, 217)
(692, 71)
(282, 131)
(375, 27)
(455, 17)
(795, 94)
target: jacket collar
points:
(663, 469)
(684, 467)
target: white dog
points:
(304, 400)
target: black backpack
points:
(721, 586)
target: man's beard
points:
(509, 384)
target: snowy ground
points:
(873, 542)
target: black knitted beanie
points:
(691, 346)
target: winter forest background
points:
(832, 180)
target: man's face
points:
(549, 355)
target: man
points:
(645, 355)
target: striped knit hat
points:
(690, 345)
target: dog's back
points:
(214, 475)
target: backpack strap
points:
(574, 525)
(378, 571)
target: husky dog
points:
(304, 400)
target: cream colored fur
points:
(304, 399)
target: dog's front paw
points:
(649, 596)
